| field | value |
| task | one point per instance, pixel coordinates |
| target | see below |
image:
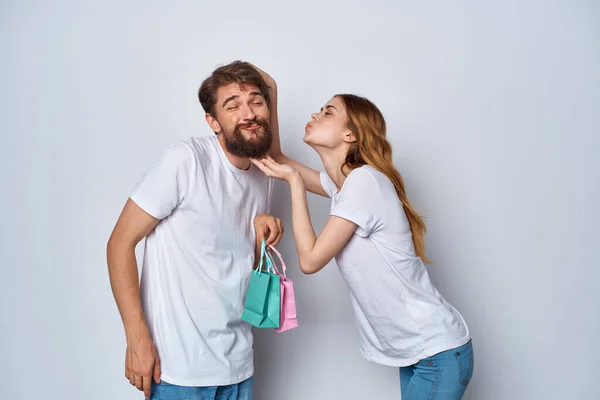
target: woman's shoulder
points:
(369, 175)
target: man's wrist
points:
(136, 330)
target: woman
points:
(377, 240)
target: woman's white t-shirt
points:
(400, 316)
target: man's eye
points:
(258, 103)
(327, 113)
(233, 108)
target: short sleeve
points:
(359, 201)
(167, 182)
(328, 185)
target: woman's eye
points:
(327, 113)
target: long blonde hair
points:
(372, 148)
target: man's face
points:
(242, 117)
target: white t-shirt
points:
(198, 259)
(400, 316)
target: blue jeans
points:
(443, 376)
(239, 391)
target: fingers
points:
(129, 376)
(128, 372)
(157, 371)
(268, 227)
(276, 231)
(280, 171)
(260, 227)
(141, 377)
(259, 236)
(279, 235)
(256, 68)
(269, 162)
(266, 170)
(273, 230)
(268, 79)
(142, 364)
(147, 385)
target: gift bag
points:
(288, 318)
(262, 307)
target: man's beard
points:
(255, 147)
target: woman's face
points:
(328, 127)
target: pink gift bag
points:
(288, 318)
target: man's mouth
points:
(252, 127)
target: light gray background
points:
(492, 109)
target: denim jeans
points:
(166, 391)
(443, 376)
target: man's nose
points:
(249, 114)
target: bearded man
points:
(203, 209)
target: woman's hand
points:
(275, 170)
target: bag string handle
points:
(283, 266)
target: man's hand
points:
(267, 78)
(142, 363)
(268, 227)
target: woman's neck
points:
(333, 162)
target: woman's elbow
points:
(309, 268)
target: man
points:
(202, 209)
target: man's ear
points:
(213, 123)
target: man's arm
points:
(312, 178)
(141, 359)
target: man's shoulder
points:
(196, 148)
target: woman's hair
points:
(372, 148)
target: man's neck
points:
(238, 162)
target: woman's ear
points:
(349, 136)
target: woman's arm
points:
(313, 252)
(311, 177)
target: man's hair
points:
(237, 72)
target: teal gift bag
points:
(262, 307)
